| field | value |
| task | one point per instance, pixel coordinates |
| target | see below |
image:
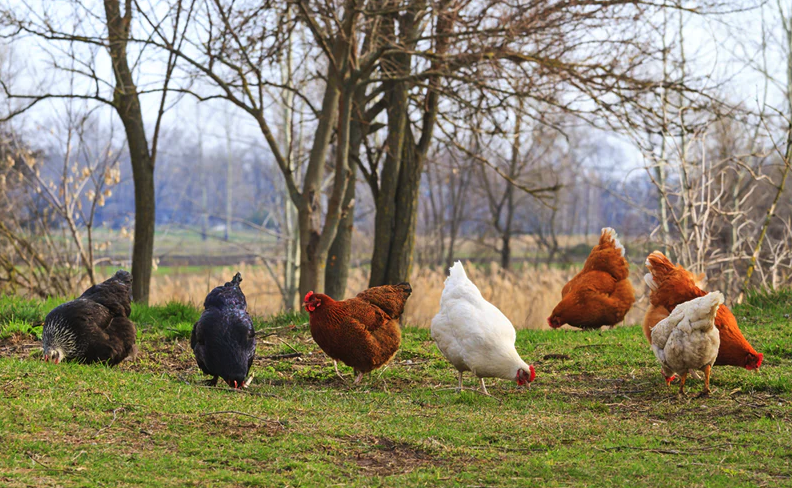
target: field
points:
(598, 413)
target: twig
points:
(235, 412)
(475, 390)
(289, 345)
(290, 326)
(590, 345)
(115, 412)
(63, 470)
(284, 356)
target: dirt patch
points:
(383, 456)
(19, 345)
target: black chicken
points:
(223, 339)
(93, 328)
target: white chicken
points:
(474, 335)
(688, 340)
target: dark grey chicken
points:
(223, 339)
(93, 328)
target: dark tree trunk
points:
(405, 215)
(309, 212)
(127, 104)
(337, 270)
(386, 220)
(397, 202)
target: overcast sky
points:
(724, 49)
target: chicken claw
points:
(484, 387)
(359, 377)
(338, 373)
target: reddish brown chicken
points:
(672, 285)
(601, 294)
(363, 332)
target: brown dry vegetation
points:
(526, 295)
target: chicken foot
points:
(484, 387)
(459, 388)
(682, 379)
(707, 371)
(338, 373)
(359, 377)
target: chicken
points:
(688, 340)
(601, 294)
(671, 285)
(655, 314)
(475, 336)
(223, 339)
(93, 328)
(363, 332)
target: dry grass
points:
(526, 295)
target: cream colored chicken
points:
(688, 340)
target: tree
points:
(76, 34)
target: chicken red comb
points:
(308, 295)
(533, 373)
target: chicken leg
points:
(707, 371)
(359, 377)
(338, 373)
(483, 387)
(682, 379)
(459, 388)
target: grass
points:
(598, 414)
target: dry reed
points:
(527, 295)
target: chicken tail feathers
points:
(404, 286)
(609, 238)
(456, 273)
(659, 266)
(706, 308)
(391, 299)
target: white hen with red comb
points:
(474, 335)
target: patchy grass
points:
(598, 414)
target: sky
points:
(722, 49)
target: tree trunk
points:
(337, 270)
(385, 219)
(400, 236)
(309, 213)
(397, 202)
(127, 105)
(315, 238)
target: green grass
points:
(598, 414)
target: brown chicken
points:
(363, 332)
(670, 286)
(601, 294)
(655, 314)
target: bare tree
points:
(49, 208)
(83, 27)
